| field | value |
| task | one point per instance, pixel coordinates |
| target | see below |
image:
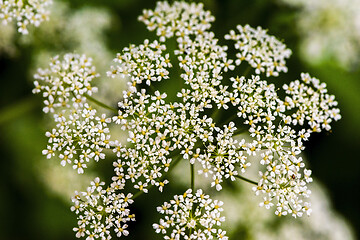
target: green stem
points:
(100, 103)
(215, 113)
(176, 161)
(192, 170)
(246, 180)
(234, 116)
(247, 71)
(239, 131)
(138, 194)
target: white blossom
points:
(191, 216)
(263, 52)
(100, 210)
(24, 12)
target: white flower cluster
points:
(100, 210)
(160, 133)
(142, 63)
(263, 52)
(66, 82)
(24, 12)
(225, 159)
(79, 135)
(310, 102)
(201, 59)
(156, 128)
(285, 178)
(147, 122)
(191, 216)
(270, 119)
(146, 118)
(179, 19)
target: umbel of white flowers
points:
(160, 134)
(24, 12)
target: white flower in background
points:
(7, 37)
(241, 209)
(330, 30)
(24, 12)
(62, 181)
(85, 30)
(191, 216)
(82, 30)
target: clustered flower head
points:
(180, 19)
(191, 216)
(160, 133)
(80, 133)
(271, 121)
(101, 209)
(263, 52)
(24, 12)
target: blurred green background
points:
(34, 208)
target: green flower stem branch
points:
(246, 179)
(100, 103)
(192, 171)
(247, 71)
